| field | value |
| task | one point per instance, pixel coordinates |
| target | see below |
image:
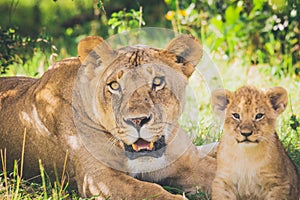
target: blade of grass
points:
(14, 181)
(63, 173)
(42, 171)
(3, 161)
(23, 153)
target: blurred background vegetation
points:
(33, 33)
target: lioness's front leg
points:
(112, 184)
(197, 171)
(94, 178)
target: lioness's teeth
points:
(151, 145)
(135, 147)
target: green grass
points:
(201, 125)
(15, 188)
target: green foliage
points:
(267, 32)
(173, 190)
(123, 21)
(15, 49)
(199, 195)
(290, 136)
(294, 122)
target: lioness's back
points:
(15, 83)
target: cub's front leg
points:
(223, 190)
(281, 192)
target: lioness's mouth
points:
(141, 145)
(144, 148)
(246, 141)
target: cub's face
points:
(137, 93)
(249, 114)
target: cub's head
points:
(137, 93)
(249, 114)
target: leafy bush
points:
(268, 32)
(123, 21)
(15, 49)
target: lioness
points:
(115, 114)
(251, 161)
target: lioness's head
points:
(137, 93)
(249, 113)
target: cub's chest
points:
(243, 169)
(248, 183)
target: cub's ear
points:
(95, 49)
(278, 98)
(188, 50)
(220, 98)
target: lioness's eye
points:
(259, 116)
(115, 86)
(236, 116)
(158, 83)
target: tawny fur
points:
(72, 110)
(251, 161)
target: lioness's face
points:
(146, 103)
(140, 94)
(251, 114)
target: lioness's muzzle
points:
(144, 148)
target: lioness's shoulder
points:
(61, 72)
(67, 62)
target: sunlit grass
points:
(14, 187)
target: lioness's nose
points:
(137, 122)
(246, 133)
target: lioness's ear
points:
(188, 50)
(95, 49)
(278, 98)
(220, 98)
(86, 45)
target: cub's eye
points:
(259, 116)
(114, 86)
(236, 116)
(158, 83)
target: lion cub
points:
(251, 161)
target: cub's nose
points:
(246, 133)
(138, 122)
